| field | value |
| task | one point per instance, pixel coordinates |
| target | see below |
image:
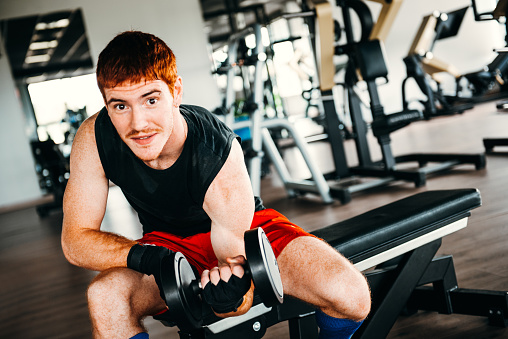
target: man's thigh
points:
(279, 230)
(313, 271)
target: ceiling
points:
(224, 17)
(51, 46)
(47, 46)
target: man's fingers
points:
(214, 275)
(237, 270)
(205, 278)
(210, 276)
(225, 272)
(234, 266)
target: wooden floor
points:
(42, 296)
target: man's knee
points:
(107, 286)
(355, 302)
(364, 300)
(123, 292)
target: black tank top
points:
(169, 200)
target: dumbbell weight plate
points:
(263, 267)
(185, 304)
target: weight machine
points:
(423, 67)
(260, 127)
(52, 169)
(426, 69)
(366, 62)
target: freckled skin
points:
(147, 117)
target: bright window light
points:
(220, 55)
(51, 25)
(250, 40)
(37, 58)
(486, 6)
(43, 45)
(51, 99)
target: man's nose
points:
(138, 119)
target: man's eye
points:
(120, 107)
(152, 101)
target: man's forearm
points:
(96, 250)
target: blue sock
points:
(142, 335)
(335, 328)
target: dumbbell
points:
(182, 289)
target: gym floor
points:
(43, 296)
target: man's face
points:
(143, 115)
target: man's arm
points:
(229, 202)
(84, 205)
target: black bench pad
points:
(390, 225)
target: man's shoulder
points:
(84, 141)
(84, 154)
(87, 128)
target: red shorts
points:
(198, 248)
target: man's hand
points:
(227, 289)
(147, 259)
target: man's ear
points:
(178, 91)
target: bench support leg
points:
(303, 328)
(444, 296)
(394, 288)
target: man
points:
(183, 171)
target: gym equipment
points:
(366, 58)
(399, 241)
(365, 55)
(495, 73)
(182, 288)
(490, 143)
(425, 68)
(52, 169)
(74, 119)
(261, 126)
(383, 125)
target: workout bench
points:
(394, 245)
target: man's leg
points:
(314, 272)
(118, 300)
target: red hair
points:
(134, 56)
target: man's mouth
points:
(144, 140)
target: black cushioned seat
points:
(398, 222)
